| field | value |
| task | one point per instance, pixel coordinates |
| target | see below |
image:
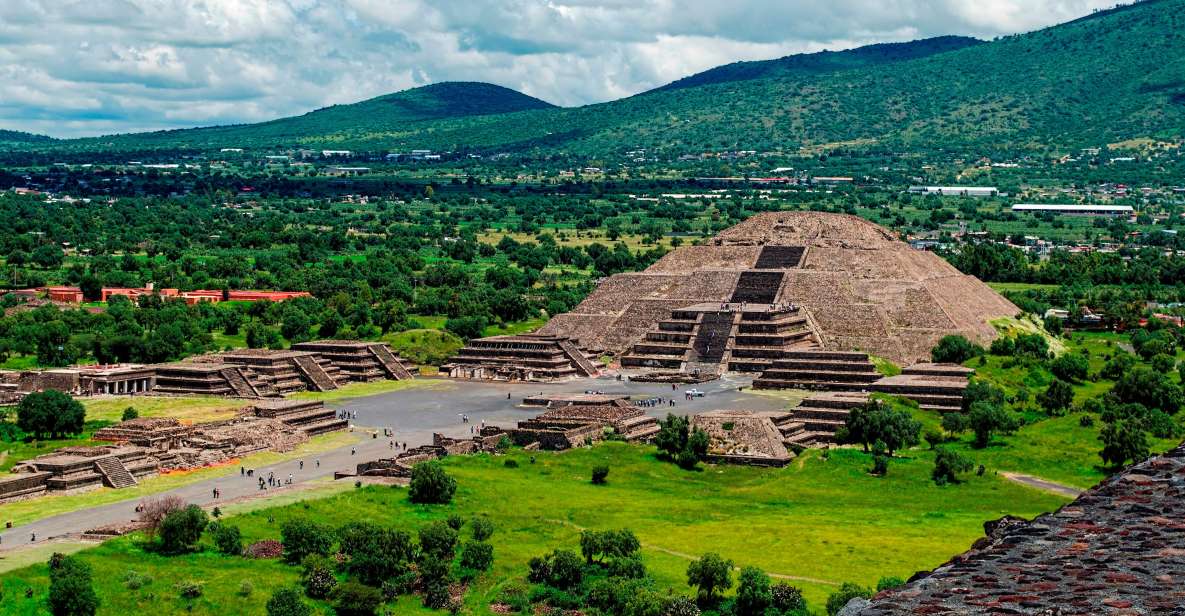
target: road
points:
(414, 414)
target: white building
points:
(1074, 209)
(956, 191)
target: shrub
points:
(287, 602)
(599, 474)
(516, 597)
(560, 569)
(302, 537)
(430, 484)
(681, 606)
(1057, 397)
(954, 349)
(1070, 367)
(71, 590)
(482, 528)
(134, 580)
(317, 576)
(947, 465)
(129, 413)
(154, 510)
(434, 581)
(987, 419)
(374, 553)
(246, 588)
(786, 598)
(1086, 421)
(477, 555)
(190, 589)
(510, 463)
(455, 521)
(182, 529)
(880, 464)
(847, 591)
(354, 599)
(438, 540)
(889, 583)
(227, 538)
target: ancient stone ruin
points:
(527, 357)
(1119, 548)
(147, 446)
(745, 437)
(575, 425)
(830, 282)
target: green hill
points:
(16, 137)
(807, 64)
(1115, 75)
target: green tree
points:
(301, 537)
(954, 349)
(430, 484)
(1122, 441)
(754, 595)
(317, 576)
(181, 529)
(986, 419)
(711, 575)
(375, 553)
(438, 540)
(354, 599)
(1057, 397)
(877, 421)
(50, 414)
(1071, 367)
(71, 591)
(477, 555)
(286, 601)
(227, 538)
(948, 463)
(847, 591)
(787, 599)
(1154, 390)
(129, 414)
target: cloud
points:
(88, 67)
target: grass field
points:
(358, 390)
(183, 408)
(820, 521)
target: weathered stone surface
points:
(1118, 549)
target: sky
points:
(71, 68)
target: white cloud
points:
(84, 67)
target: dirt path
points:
(1044, 485)
(685, 555)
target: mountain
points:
(17, 137)
(440, 101)
(1115, 75)
(823, 62)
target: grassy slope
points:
(822, 519)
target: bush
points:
(482, 528)
(1086, 421)
(880, 465)
(455, 521)
(1057, 397)
(599, 473)
(190, 589)
(986, 419)
(134, 580)
(681, 606)
(510, 463)
(430, 484)
(71, 591)
(561, 569)
(847, 591)
(889, 583)
(954, 349)
(516, 597)
(477, 555)
(287, 602)
(711, 575)
(374, 553)
(246, 588)
(302, 537)
(1070, 367)
(434, 581)
(438, 540)
(786, 598)
(354, 599)
(947, 465)
(129, 414)
(227, 538)
(182, 529)
(267, 548)
(317, 576)
(753, 592)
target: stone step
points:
(114, 473)
(328, 425)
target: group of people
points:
(656, 401)
(347, 414)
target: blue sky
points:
(91, 67)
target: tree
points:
(375, 553)
(877, 421)
(438, 540)
(1123, 440)
(560, 569)
(711, 575)
(317, 576)
(787, 599)
(482, 528)
(477, 555)
(47, 256)
(954, 349)
(182, 529)
(1057, 397)
(287, 602)
(1154, 390)
(302, 537)
(948, 464)
(986, 419)
(847, 591)
(50, 414)
(753, 592)
(597, 545)
(980, 390)
(430, 484)
(129, 414)
(227, 538)
(354, 599)
(1070, 367)
(672, 435)
(71, 591)
(599, 474)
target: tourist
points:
(318, 462)
(353, 451)
(289, 478)
(302, 465)
(391, 445)
(242, 471)
(33, 538)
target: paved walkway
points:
(414, 414)
(1042, 484)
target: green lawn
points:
(822, 518)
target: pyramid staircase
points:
(239, 384)
(391, 364)
(114, 473)
(814, 422)
(316, 375)
(579, 359)
(641, 428)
